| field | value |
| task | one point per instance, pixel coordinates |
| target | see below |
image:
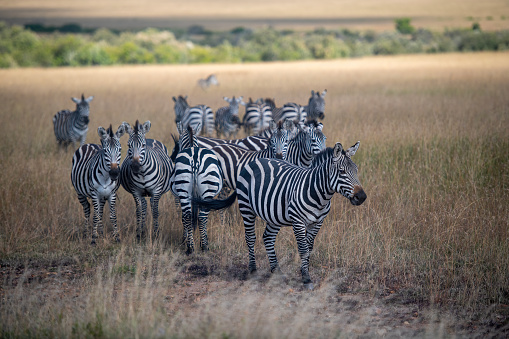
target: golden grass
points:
(434, 230)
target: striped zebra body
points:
(290, 111)
(286, 195)
(145, 172)
(199, 117)
(197, 176)
(70, 127)
(233, 157)
(94, 175)
(258, 116)
(227, 120)
(308, 142)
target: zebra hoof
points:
(189, 251)
(93, 243)
(309, 286)
(117, 240)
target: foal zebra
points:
(258, 116)
(209, 81)
(227, 118)
(199, 117)
(94, 175)
(286, 195)
(146, 171)
(70, 127)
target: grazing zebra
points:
(305, 145)
(209, 81)
(257, 117)
(286, 195)
(94, 175)
(316, 106)
(70, 127)
(233, 157)
(197, 175)
(146, 171)
(227, 118)
(200, 117)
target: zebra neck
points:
(326, 168)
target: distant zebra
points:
(197, 176)
(316, 106)
(227, 118)
(199, 115)
(211, 80)
(69, 127)
(94, 175)
(290, 111)
(286, 195)
(258, 116)
(233, 157)
(146, 171)
(306, 144)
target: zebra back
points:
(290, 111)
(227, 120)
(257, 117)
(69, 127)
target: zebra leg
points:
(98, 216)
(202, 221)
(249, 227)
(187, 224)
(311, 235)
(154, 203)
(269, 239)
(86, 210)
(141, 210)
(113, 215)
(299, 229)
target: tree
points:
(403, 26)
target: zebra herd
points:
(283, 174)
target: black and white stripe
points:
(290, 111)
(94, 175)
(199, 117)
(258, 116)
(286, 195)
(145, 172)
(227, 120)
(70, 127)
(306, 144)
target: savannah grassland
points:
(426, 254)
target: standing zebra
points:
(305, 145)
(227, 118)
(257, 117)
(286, 195)
(146, 171)
(197, 176)
(211, 80)
(233, 157)
(94, 175)
(200, 117)
(316, 106)
(290, 111)
(70, 127)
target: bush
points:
(403, 26)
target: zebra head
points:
(278, 141)
(180, 107)
(343, 174)
(187, 136)
(316, 105)
(110, 143)
(318, 139)
(137, 144)
(83, 106)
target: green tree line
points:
(70, 45)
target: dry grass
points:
(432, 234)
(362, 14)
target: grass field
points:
(362, 14)
(426, 254)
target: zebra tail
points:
(215, 204)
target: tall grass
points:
(434, 230)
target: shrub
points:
(403, 26)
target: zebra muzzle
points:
(279, 155)
(358, 196)
(114, 172)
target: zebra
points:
(227, 118)
(199, 115)
(146, 171)
(283, 194)
(94, 175)
(209, 81)
(305, 145)
(290, 111)
(197, 175)
(314, 110)
(257, 117)
(233, 157)
(70, 127)
(316, 106)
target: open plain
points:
(427, 254)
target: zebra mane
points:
(110, 131)
(136, 127)
(176, 148)
(191, 133)
(323, 156)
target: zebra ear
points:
(76, 100)
(89, 99)
(120, 131)
(127, 127)
(174, 99)
(312, 93)
(351, 151)
(227, 99)
(103, 134)
(338, 150)
(146, 127)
